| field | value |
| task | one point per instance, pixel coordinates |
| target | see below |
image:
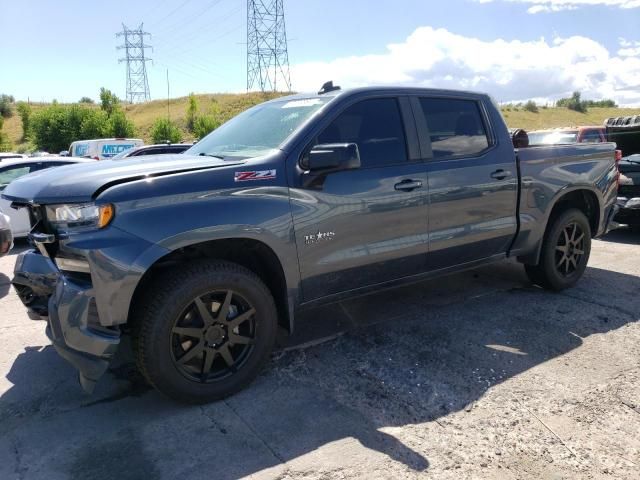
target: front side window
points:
(375, 126)
(455, 127)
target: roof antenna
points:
(328, 87)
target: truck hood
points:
(82, 182)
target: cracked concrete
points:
(476, 375)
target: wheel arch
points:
(250, 253)
(585, 199)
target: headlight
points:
(80, 216)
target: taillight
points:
(618, 158)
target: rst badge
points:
(318, 237)
(255, 175)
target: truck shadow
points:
(623, 235)
(407, 356)
(5, 285)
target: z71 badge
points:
(255, 175)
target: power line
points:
(137, 82)
(267, 53)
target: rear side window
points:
(592, 136)
(455, 127)
(375, 126)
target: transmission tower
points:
(267, 54)
(137, 83)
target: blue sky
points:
(514, 49)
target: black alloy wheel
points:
(214, 336)
(203, 330)
(570, 249)
(564, 253)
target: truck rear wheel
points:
(565, 252)
(204, 332)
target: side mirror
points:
(332, 157)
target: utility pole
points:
(267, 53)
(137, 82)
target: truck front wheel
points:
(565, 252)
(203, 332)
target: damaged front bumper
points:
(73, 324)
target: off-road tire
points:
(547, 274)
(167, 297)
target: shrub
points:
(5, 105)
(86, 100)
(55, 127)
(192, 111)
(119, 126)
(574, 103)
(531, 106)
(24, 110)
(94, 125)
(205, 125)
(164, 130)
(5, 144)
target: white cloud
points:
(547, 6)
(629, 48)
(509, 70)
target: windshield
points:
(552, 138)
(258, 130)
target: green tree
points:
(205, 125)
(119, 126)
(86, 100)
(94, 125)
(5, 105)
(24, 110)
(574, 103)
(108, 101)
(531, 106)
(164, 130)
(192, 112)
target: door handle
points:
(408, 185)
(500, 174)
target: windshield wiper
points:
(212, 155)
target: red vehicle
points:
(588, 134)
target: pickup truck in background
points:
(297, 202)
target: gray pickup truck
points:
(203, 257)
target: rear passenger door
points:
(365, 226)
(472, 182)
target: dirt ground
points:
(477, 375)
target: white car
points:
(6, 237)
(16, 168)
(11, 156)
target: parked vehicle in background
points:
(629, 192)
(564, 136)
(11, 170)
(6, 237)
(296, 202)
(102, 148)
(159, 149)
(10, 156)
(625, 132)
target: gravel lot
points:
(477, 375)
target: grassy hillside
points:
(227, 105)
